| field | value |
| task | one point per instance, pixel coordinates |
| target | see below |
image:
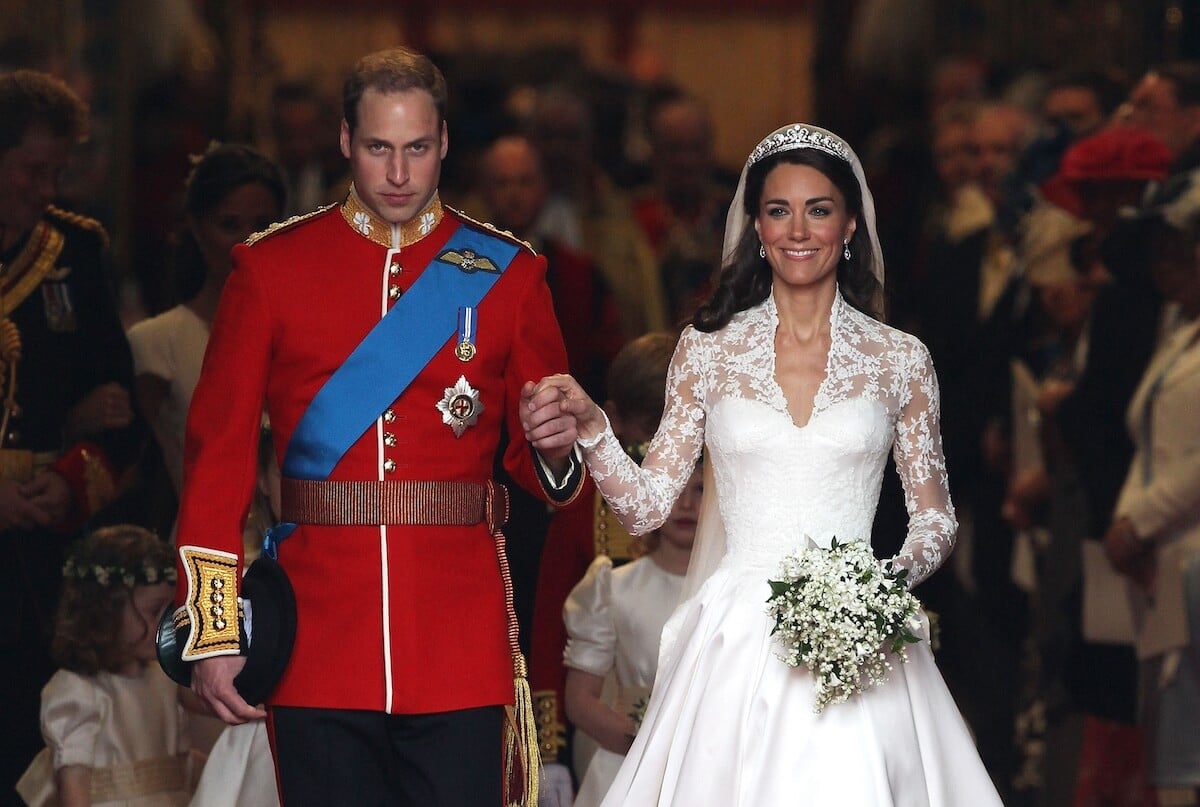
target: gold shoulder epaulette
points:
(491, 228)
(81, 221)
(286, 224)
(212, 602)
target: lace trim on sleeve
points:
(641, 497)
(922, 466)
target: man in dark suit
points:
(66, 370)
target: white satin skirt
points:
(730, 725)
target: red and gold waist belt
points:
(393, 501)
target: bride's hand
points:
(557, 407)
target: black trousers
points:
(329, 757)
(29, 586)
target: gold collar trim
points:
(364, 221)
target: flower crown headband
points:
(107, 574)
(800, 137)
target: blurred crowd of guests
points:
(1045, 278)
(1041, 239)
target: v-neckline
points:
(773, 330)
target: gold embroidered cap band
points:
(212, 603)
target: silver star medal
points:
(460, 407)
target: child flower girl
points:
(112, 720)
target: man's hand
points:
(105, 408)
(49, 493)
(212, 681)
(16, 511)
(555, 412)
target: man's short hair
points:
(30, 98)
(393, 70)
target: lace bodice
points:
(778, 482)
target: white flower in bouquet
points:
(842, 614)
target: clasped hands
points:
(41, 502)
(555, 412)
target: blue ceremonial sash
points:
(395, 351)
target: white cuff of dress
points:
(555, 482)
(594, 440)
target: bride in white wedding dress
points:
(797, 391)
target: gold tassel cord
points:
(520, 730)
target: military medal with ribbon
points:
(465, 349)
(460, 407)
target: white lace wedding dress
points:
(728, 722)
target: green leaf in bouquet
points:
(778, 588)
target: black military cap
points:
(268, 630)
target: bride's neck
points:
(807, 312)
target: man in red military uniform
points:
(389, 338)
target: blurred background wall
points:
(165, 77)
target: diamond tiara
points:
(799, 137)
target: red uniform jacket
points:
(403, 619)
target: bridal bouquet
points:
(839, 613)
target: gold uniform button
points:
(394, 292)
(389, 439)
(389, 466)
(394, 269)
(389, 416)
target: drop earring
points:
(846, 249)
(762, 251)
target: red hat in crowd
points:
(1118, 152)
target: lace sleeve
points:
(642, 497)
(922, 467)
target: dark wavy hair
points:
(221, 171)
(87, 627)
(745, 280)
